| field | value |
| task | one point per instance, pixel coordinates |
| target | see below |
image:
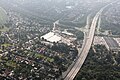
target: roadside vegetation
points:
(100, 65)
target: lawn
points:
(42, 56)
(11, 64)
(3, 16)
(4, 29)
(3, 19)
(6, 45)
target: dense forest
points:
(101, 64)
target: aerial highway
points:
(84, 53)
(79, 62)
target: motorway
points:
(79, 62)
(84, 53)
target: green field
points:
(4, 29)
(3, 16)
(3, 19)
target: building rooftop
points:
(52, 37)
(48, 35)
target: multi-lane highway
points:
(84, 53)
(79, 62)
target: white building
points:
(51, 37)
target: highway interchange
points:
(81, 59)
